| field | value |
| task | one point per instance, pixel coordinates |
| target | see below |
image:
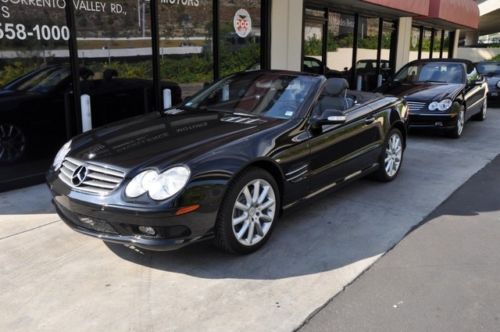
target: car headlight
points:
(433, 106)
(443, 105)
(498, 84)
(159, 186)
(61, 154)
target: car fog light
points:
(147, 230)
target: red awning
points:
(464, 13)
(418, 7)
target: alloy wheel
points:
(12, 143)
(460, 122)
(254, 212)
(393, 155)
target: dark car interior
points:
(337, 96)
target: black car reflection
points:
(441, 93)
(224, 164)
(491, 71)
(34, 114)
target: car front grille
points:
(416, 106)
(99, 180)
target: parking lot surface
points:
(55, 279)
(441, 277)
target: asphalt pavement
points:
(52, 278)
(444, 276)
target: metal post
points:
(73, 62)
(155, 45)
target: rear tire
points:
(391, 158)
(248, 212)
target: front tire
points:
(248, 213)
(457, 131)
(392, 157)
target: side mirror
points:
(329, 117)
(480, 80)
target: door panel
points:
(342, 150)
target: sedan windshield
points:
(488, 68)
(273, 95)
(431, 72)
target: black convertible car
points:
(441, 93)
(225, 163)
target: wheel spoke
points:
(251, 230)
(243, 230)
(263, 196)
(266, 217)
(258, 228)
(266, 205)
(248, 196)
(256, 191)
(241, 206)
(240, 219)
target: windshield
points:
(485, 68)
(273, 95)
(431, 72)
(44, 81)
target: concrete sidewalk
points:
(52, 278)
(445, 276)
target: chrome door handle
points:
(369, 120)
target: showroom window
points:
(429, 43)
(354, 47)
(115, 61)
(128, 57)
(35, 89)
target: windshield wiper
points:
(431, 81)
(245, 114)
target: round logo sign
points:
(242, 23)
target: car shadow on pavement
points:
(325, 234)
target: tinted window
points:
(488, 68)
(431, 72)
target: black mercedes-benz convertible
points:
(441, 93)
(225, 163)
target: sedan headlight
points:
(61, 154)
(159, 186)
(498, 84)
(442, 106)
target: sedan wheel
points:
(459, 126)
(249, 212)
(392, 157)
(12, 143)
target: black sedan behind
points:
(441, 93)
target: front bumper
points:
(122, 226)
(433, 120)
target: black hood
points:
(155, 140)
(422, 92)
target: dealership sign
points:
(242, 23)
